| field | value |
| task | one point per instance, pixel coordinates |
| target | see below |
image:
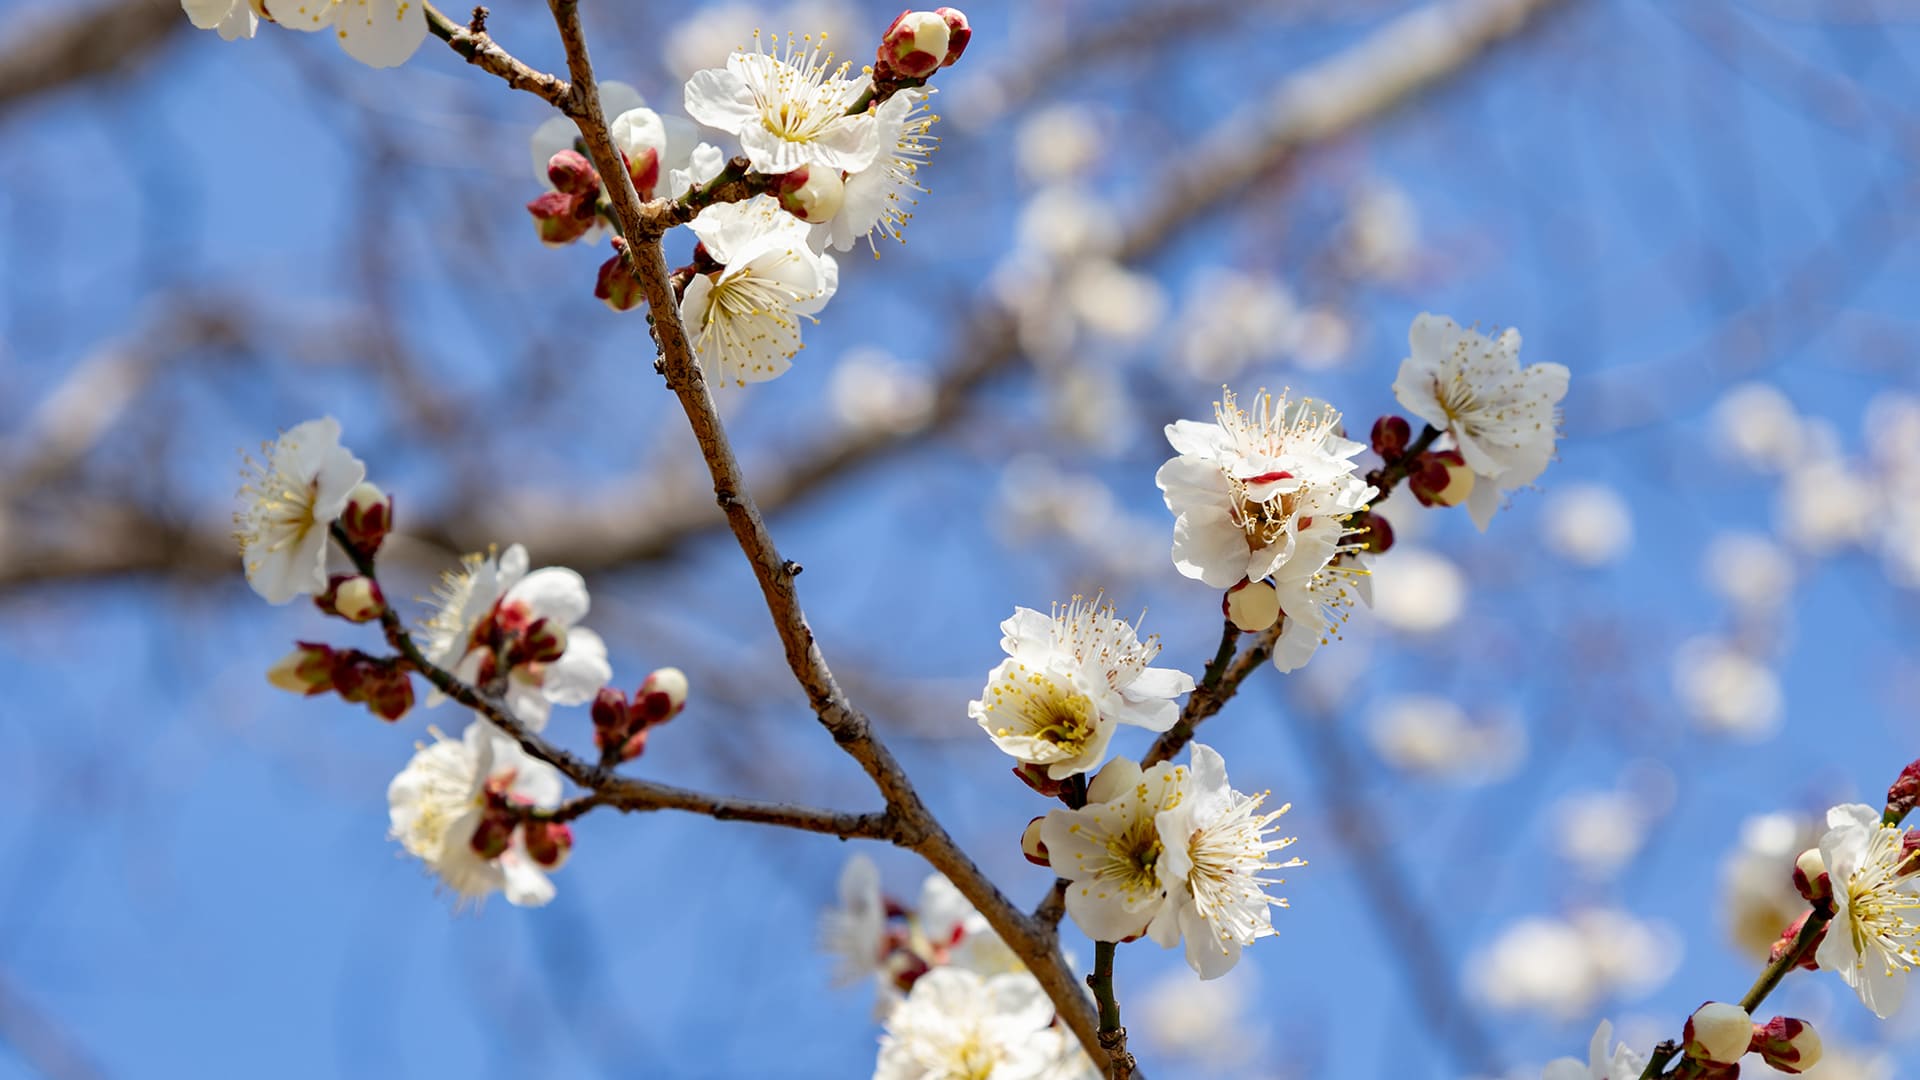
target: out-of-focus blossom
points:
(1749, 571)
(956, 1023)
(1322, 338)
(232, 19)
(1066, 221)
(1416, 590)
(1381, 231)
(872, 391)
(1564, 967)
(1206, 1023)
(440, 803)
(1756, 879)
(1588, 524)
(1429, 735)
(855, 932)
(1599, 831)
(1057, 142)
(1757, 425)
(1232, 319)
(1826, 504)
(1727, 691)
(1114, 302)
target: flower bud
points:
(1120, 775)
(644, 167)
(368, 518)
(571, 173)
(1904, 793)
(1792, 934)
(1441, 478)
(1391, 434)
(1373, 532)
(959, 32)
(308, 669)
(548, 842)
(661, 696)
(914, 46)
(353, 597)
(560, 218)
(812, 193)
(617, 285)
(543, 642)
(1810, 877)
(1252, 606)
(1718, 1033)
(1789, 1045)
(492, 836)
(609, 710)
(1031, 845)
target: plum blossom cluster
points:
(378, 33)
(1860, 886)
(954, 999)
(484, 810)
(826, 157)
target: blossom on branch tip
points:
(286, 506)
(1717, 1033)
(483, 613)
(788, 108)
(1502, 418)
(456, 805)
(1874, 939)
(1789, 1045)
(913, 46)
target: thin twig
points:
(479, 50)
(1036, 944)
(1208, 699)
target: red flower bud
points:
(914, 46)
(560, 218)
(959, 32)
(1441, 478)
(1792, 934)
(1373, 532)
(617, 285)
(1904, 793)
(1789, 1045)
(548, 842)
(308, 669)
(1035, 777)
(1391, 434)
(367, 519)
(571, 173)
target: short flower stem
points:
(1387, 477)
(1770, 977)
(1113, 1037)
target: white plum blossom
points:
(1216, 846)
(1111, 851)
(1758, 897)
(231, 19)
(744, 319)
(378, 33)
(494, 595)
(879, 198)
(1504, 419)
(286, 506)
(1254, 491)
(1067, 680)
(788, 108)
(1620, 1064)
(440, 799)
(855, 933)
(1873, 941)
(956, 1024)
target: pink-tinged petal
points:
(381, 33)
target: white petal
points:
(381, 33)
(580, 672)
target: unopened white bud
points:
(1718, 1033)
(1032, 846)
(358, 599)
(813, 193)
(1253, 606)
